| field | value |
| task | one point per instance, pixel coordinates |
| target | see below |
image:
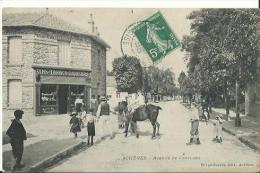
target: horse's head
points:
(153, 108)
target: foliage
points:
(221, 49)
(128, 74)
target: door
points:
(63, 99)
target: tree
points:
(221, 50)
(128, 74)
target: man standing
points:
(132, 105)
(194, 132)
(17, 134)
(78, 104)
(103, 114)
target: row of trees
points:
(131, 77)
(221, 51)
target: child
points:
(90, 118)
(17, 135)
(75, 124)
(83, 116)
(218, 128)
(194, 132)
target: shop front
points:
(56, 89)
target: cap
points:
(18, 112)
(103, 98)
(73, 113)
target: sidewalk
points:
(49, 141)
(248, 133)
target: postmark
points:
(151, 38)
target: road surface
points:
(169, 152)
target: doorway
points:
(63, 99)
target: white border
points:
(116, 4)
(133, 3)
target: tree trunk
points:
(226, 101)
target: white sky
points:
(112, 22)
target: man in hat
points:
(17, 135)
(103, 114)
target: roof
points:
(45, 20)
(111, 81)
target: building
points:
(113, 95)
(47, 63)
(252, 99)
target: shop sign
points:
(59, 72)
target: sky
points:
(112, 22)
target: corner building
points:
(47, 63)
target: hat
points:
(73, 113)
(18, 112)
(219, 116)
(103, 98)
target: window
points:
(48, 99)
(64, 53)
(15, 93)
(99, 60)
(15, 50)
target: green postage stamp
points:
(156, 37)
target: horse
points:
(142, 113)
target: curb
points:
(52, 160)
(243, 139)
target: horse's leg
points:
(126, 127)
(154, 129)
(135, 129)
(158, 127)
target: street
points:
(168, 152)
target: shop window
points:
(76, 91)
(15, 50)
(48, 99)
(15, 93)
(64, 53)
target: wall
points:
(98, 74)
(22, 71)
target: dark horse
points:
(142, 113)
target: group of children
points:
(78, 120)
(194, 132)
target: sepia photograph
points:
(130, 90)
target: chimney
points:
(91, 24)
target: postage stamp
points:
(156, 36)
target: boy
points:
(90, 125)
(17, 134)
(194, 132)
(218, 128)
